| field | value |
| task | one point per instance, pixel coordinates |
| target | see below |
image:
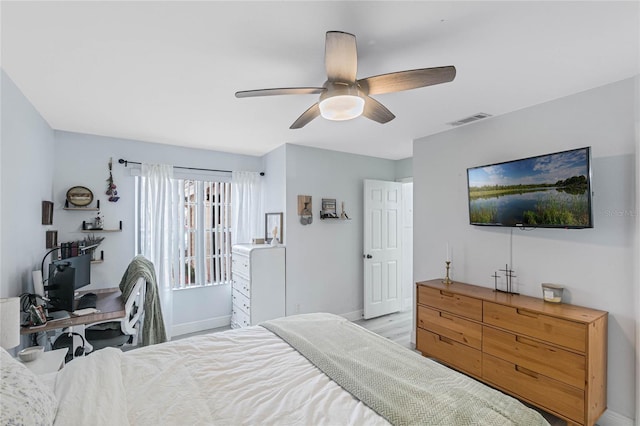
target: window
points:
(204, 212)
(206, 255)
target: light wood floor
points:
(396, 327)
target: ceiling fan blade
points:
(405, 80)
(306, 117)
(341, 56)
(282, 91)
(375, 111)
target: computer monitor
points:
(60, 289)
(65, 277)
(82, 266)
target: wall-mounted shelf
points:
(101, 260)
(82, 209)
(86, 228)
(79, 250)
(329, 210)
(84, 225)
(332, 216)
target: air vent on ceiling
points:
(470, 119)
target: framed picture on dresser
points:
(273, 227)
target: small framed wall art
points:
(305, 209)
(273, 227)
(47, 212)
(79, 196)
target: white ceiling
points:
(167, 72)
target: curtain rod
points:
(126, 163)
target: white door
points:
(382, 247)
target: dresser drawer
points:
(242, 285)
(240, 265)
(450, 352)
(239, 318)
(554, 396)
(241, 301)
(451, 326)
(443, 300)
(550, 361)
(568, 334)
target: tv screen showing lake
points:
(550, 191)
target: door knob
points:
(369, 256)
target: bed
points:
(339, 374)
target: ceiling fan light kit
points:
(343, 97)
(341, 102)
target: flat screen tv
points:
(547, 191)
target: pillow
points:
(24, 399)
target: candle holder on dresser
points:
(447, 280)
(509, 275)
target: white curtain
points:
(247, 218)
(159, 230)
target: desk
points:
(109, 303)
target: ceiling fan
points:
(342, 96)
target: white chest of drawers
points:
(258, 289)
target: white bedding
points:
(239, 377)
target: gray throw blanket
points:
(400, 385)
(153, 330)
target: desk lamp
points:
(10, 322)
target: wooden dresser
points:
(553, 356)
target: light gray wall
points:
(275, 182)
(404, 168)
(82, 159)
(324, 259)
(408, 283)
(26, 156)
(637, 263)
(596, 266)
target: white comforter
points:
(238, 377)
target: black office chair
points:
(112, 333)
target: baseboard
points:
(196, 326)
(611, 418)
(353, 316)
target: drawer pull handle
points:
(445, 293)
(526, 313)
(525, 341)
(445, 316)
(445, 340)
(526, 372)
